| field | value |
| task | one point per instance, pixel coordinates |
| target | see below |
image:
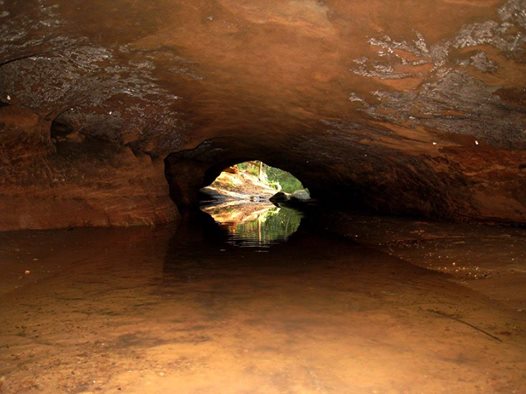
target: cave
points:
(398, 266)
(188, 172)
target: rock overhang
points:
(416, 108)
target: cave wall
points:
(414, 107)
(74, 181)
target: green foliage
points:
(289, 183)
(274, 177)
(276, 224)
(250, 167)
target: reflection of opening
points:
(240, 199)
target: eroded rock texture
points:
(410, 107)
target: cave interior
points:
(404, 270)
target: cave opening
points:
(223, 170)
(259, 205)
(255, 181)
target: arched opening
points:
(255, 181)
(244, 188)
(255, 203)
(188, 172)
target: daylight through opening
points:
(256, 202)
(255, 181)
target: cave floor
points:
(177, 309)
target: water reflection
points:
(252, 224)
(132, 309)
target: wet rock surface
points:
(415, 109)
(144, 310)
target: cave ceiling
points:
(403, 107)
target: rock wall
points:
(413, 107)
(74, 181)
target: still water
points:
(255, 225)
(193, 309)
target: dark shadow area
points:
(189, 171)
(199, 241)
(60, 129)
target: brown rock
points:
(415, 109)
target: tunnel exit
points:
(255, 203)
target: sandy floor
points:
(180, 311)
